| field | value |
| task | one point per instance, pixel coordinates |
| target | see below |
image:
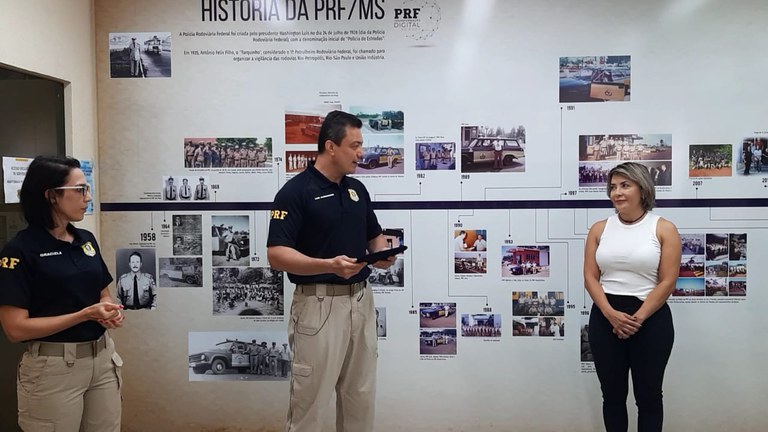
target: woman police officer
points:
(54, 295)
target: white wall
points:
(55, 39)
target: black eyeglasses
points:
(83, 189)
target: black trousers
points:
(645, 354)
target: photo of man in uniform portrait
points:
(169, 191)
(136, 289)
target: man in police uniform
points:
(169, 192)
(136, 290)
(201, 190)
(321, 222)
(185, 191)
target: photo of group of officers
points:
(710, 160)
(239, 356)
(538, 313)
(435, 156)
(631, 147)
(437, 328)
(297, 161)
(252, 291)
(526, 261)
(713, 265)
(227, 153)
(481, 325)
(595, 174)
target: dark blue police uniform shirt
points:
(322, 219)
(50, 277)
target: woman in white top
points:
(631, 264)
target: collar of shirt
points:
(45, 237)
(323, 180)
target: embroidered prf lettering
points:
(9, 263)
(278, 214)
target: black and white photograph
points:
(751, 156)
(737, 249)
(187, 234)
(136, 287)
(437, 315)
(524, 261)
(302, 122)
(493, 148)
(437, 341)
(230, 240)
(710, 160)
(381, 322)
(625, 147)
(435, 156)
(180, 272)
(170, 188)
(251, 291)
(717, 247)
(140, 55)
(239, 356)
(377, 120)
(586, 349)
(595, 79)
(481, 325)
(192, 188)
(393, 276)
(533, 303)
(227, 153)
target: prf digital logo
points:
(418, 19)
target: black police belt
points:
(320, 289)
(59, 349)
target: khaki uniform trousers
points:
(334, 343)
(70, 391)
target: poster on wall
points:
(14, 170)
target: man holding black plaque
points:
(321, 223)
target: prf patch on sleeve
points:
(278, 214)
(9, 263)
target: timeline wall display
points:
(488, 132)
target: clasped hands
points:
(624, 325)
(108, 314)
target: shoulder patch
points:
(9, 262)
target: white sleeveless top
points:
(628, 257)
